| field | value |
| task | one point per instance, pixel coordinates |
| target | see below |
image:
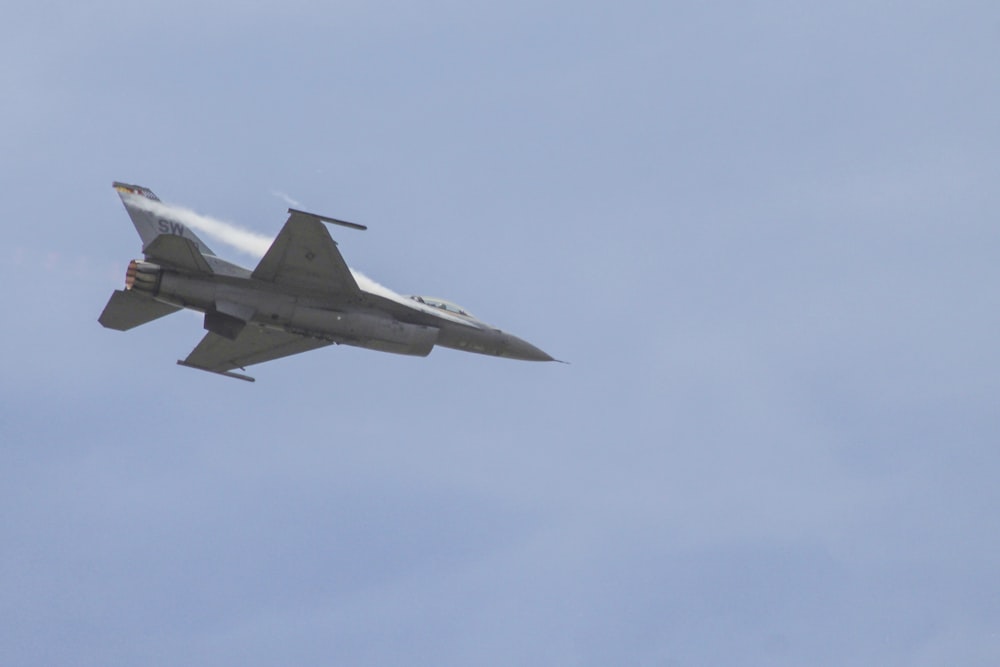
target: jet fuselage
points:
(371, 321)
(301, 296)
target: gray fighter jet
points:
(300, 297)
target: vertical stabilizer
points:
(153, 218)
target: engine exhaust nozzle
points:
(143, 277)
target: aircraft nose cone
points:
(515, 348)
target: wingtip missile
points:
(228, 374)
(344, 223)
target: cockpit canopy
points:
(453, 308)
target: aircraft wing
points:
(305, 256)
(254, 345)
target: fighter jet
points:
(300, 297)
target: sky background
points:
(764, 234)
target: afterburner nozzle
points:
(142, 276)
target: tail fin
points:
(153, 218)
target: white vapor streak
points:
(368, 285)
(285, 198)
(235, 236)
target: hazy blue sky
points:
(765, 234)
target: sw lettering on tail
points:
(153, 218)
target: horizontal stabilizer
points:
(129, 309)
(178, 252)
